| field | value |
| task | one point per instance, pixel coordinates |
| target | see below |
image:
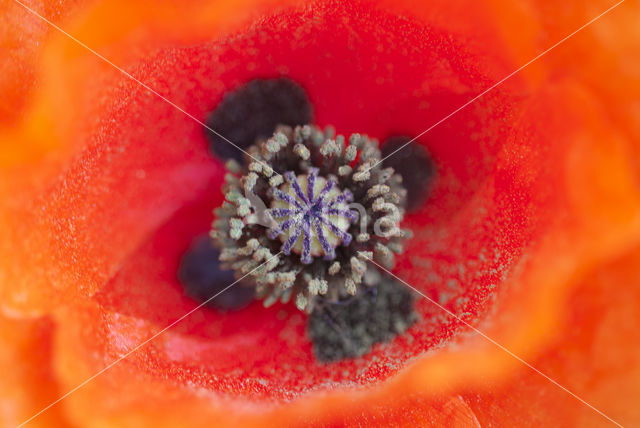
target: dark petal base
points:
(253, 111)
(202, 278)
(414, 164)
(349, 328)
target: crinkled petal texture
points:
(530, 232)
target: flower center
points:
(312, 215)
(305, 212)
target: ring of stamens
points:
(303, 249)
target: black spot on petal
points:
(253, 111)
(347, 329)
(414, 164)
(202, 278)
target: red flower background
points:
(530, 233)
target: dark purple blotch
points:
(349, 328)
(416, 166)
(253, 111)
(202, 278)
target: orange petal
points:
(593, 165)
(27, 383)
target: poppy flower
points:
(523, 206)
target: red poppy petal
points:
(465, 149)
(241, 353)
